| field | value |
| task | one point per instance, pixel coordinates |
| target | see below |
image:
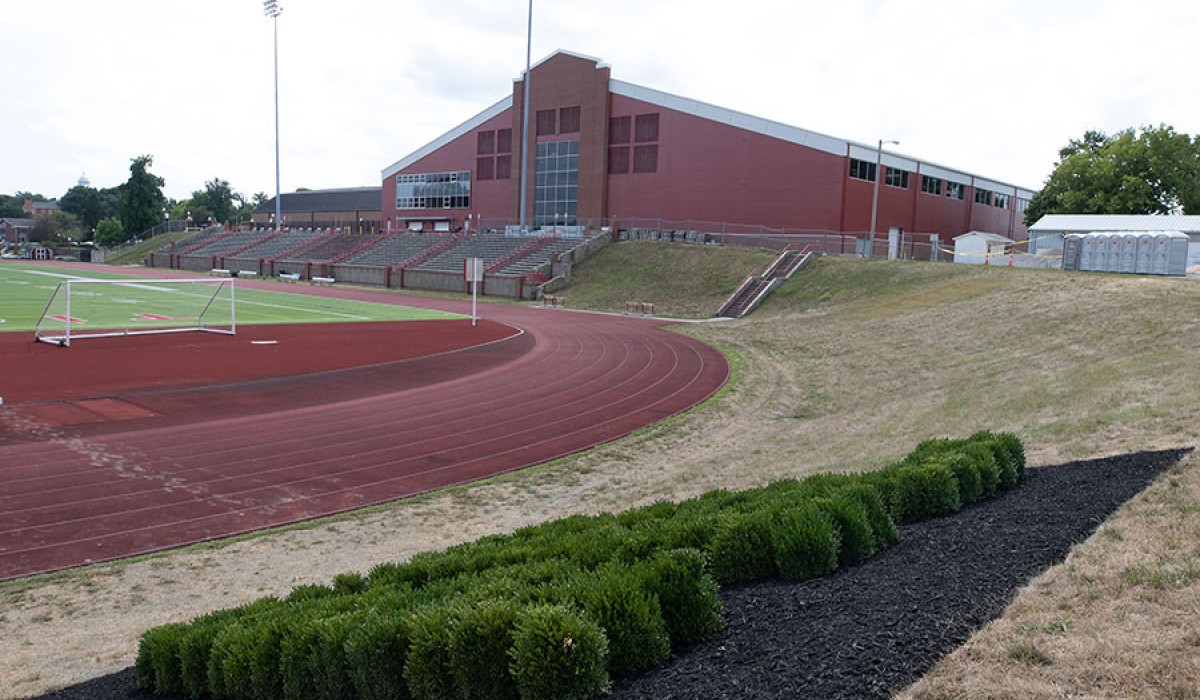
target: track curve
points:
(207, 463)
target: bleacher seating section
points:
(233, 241)
(285, 241)
(395, 249)
(530, 262)
(489, 247)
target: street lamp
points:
(166, 221)
(875, 195)
(272, 9)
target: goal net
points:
(92, 308)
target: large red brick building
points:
(601, 150)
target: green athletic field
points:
(25, 291)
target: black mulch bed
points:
(870, 630)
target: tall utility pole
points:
(525, 118)
(875, 195)
(272, 9)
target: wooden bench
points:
(324, 281)
(289, 276)
(216, 272)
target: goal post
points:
(94, 308)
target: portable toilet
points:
(1162, 253)
(1113, 264)
(1129, 244)
(1087, 255)
(1100, 258)
(1144, 259)
(1071, 250)
(1177, 253)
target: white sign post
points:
(473, 272)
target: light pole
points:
(525, 118)
(166, 221)
(272, 9)
(875, 195)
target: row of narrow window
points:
(895, 177)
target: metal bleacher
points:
(487, 246)
(281, 243)
(332, 247)
(233, 241)
(394, 249)
(536, 258)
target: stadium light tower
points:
(875, 195)
(272, 9)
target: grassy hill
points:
(134, 254)
(845, 367)
(683, 281)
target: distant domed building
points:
(84, 181)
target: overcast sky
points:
(994, 88)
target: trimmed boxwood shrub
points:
(630, 616)
(349, 583)
(558, 654)
(376, 651)
(741, 548)
(986, 465)
(157, 662)
(855, 537)
(925, 491)
(312, 659)
(1009, 455)
(481, 640)
(1011, 444)
(804, 542)
(882, 526)
(248, 654)
(427, 671)
(687, 594)
(966, 473)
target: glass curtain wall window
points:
(556, 183)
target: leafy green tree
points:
(10, 207)
(109, 232)
(1154, 170)
(217, 198)
(85, 203)
(142, 200)
(58, 226)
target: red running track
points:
(177, 466)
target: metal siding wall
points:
(709, 171)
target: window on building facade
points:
(619, 130)
(568, 120)
(485, 168)
(618, 160)
(1022, 204)
(1000, 200)
(896, 178)
(503, 167)
(486, 143)
(983, 196)
(645, 159)
(645, 128)
(450, 190)
(547, 122)
(556, 183)
(955, 190)
(862, 170)
(931, 185)
(504, 141)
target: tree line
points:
(113, 215)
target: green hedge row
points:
(557, 609)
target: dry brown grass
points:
(1118, 619)
(848, 366)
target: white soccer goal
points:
(94, 308)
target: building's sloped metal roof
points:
(1087, 223)
(349, 199)
(993, 237)
(767, 127)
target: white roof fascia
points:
(449, 136)
(599, 64)
(741, 120)
(1117, 222)
(945, 174)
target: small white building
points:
(982, 248)
(1046, 236)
